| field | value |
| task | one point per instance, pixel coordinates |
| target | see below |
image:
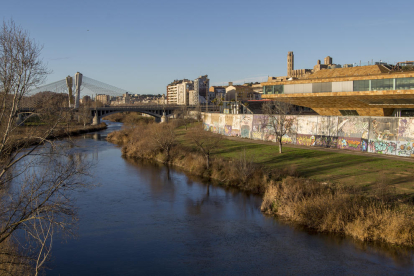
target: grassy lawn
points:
(322, 165)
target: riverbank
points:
(374, 213)
(26, 136)
(129, 118)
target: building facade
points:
(202, 85)
(373, 90)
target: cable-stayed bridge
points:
(87, 86)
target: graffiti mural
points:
(228, 119)
(235, 132)
(227, 130)
(305, 140)
(216, 128)
(221, 131)
(222, 120)
(349, 143)
(382, 146)
(269, 134)
(327, 126)
(246, 122)
(355, 127)
(406, 129)
(405, 148)
(307, 124)
(236, 122)
(206, 127)
(325, 141)
(257, 135)
(383, 129)
(364, 145)
(245, 131)
(289, 139)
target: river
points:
(148, 219)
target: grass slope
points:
(345, 168)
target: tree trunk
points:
(280, 145)
(208, 161)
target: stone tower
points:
(69, 84)
(78, 83)
(328, 60)
(290, 64)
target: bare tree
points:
(163, 137)
(205, 141)
(245, 166)
(84, 113)
(36, 182)
(278, 119)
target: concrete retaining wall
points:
(390, 135)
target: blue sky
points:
(141, 46)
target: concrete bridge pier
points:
(164, 118)
(20, 119)
(96, 120)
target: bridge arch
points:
(155, 112)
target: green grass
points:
(322, 165)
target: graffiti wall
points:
(327, 126)
(382, 147)
(356, 127)
(349, 143)
(388, 135)
(383, 129)
(222, 120)
(405, 148)
(307, 124)
(246, 122)
(406, 129)
(325, 141)
(305, 140)
(289, 138)
(383, 135)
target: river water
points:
(147, 219)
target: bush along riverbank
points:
(380, 215)
(27, 136)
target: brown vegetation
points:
(129, 118)
(332, 208)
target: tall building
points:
(177, 91)
(105, 99)
(202, 85)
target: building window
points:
(277, 89)
(385, 84)
(407, 113)
(404, 83)
(349, 112)
(268, 89)
(320, 87)
(361, 85)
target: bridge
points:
(156, 111)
